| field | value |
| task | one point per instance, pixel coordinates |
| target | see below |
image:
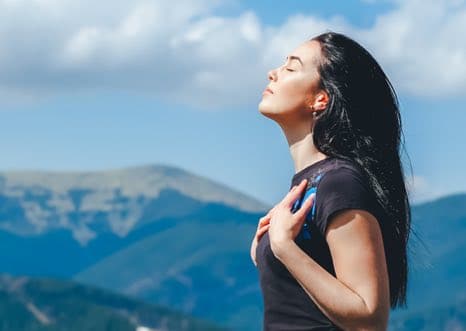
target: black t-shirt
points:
(286, 305)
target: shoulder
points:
(344, 186)
(343, 176)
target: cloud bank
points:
(183, 52)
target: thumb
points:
(306, 206)
(294, 194)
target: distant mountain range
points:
(117, 201)
(448, 317)
(172, 238)
(190, 236)
(46, 304)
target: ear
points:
(320, 101)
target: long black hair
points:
(362, 124)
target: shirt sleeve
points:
(341, 189)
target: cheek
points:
(293, 94)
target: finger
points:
(305, 207)
(259, 229)
(259, 237)
(264, 228)
(294, 194)
(271, 211)
(264, 222)
(262, 231)
(263, 219)
(291, 193)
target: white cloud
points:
(182, 51)
(420, 45)
(418, 189)
(421, 189)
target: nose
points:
(272, 74)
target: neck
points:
(302, 148)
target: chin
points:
(264, 110)
(267, 112)
(264, 107)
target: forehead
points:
(309, 52)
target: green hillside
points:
(181, 241)
(199, 267)
(46, 304)
(442, 317)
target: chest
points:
(270, 267)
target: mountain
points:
(201, 266)
(90, 215)
(56, 252)
(186, 251)
(41, 212)
(87, 204)
(441, 317)
(46, 304)
(436, 259)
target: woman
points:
(338, 111)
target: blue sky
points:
(152, 82)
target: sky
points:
(102, 85)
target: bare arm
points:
(358, 298)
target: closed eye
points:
(289, 69)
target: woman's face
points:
(293, 85)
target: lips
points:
(268, 90)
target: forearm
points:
(338, 302)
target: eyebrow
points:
(293, 57)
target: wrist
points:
(282, 248)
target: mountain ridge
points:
(51, 304)
(78, 201)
